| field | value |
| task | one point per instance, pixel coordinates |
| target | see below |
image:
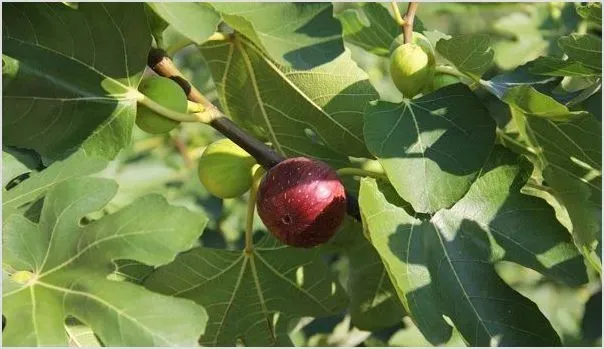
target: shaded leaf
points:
(290, 108)
(75, 85)
(482, 306)
(470, 54)
(569, 156)
(374, 307)
(557, 67)
(59, 268)
(523, 75)
(591, 324)
(312, 39)
(248, 295)
(516, 223)
(585, 49)
(431, 148)
(372, 28)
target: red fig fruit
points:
(302, 202)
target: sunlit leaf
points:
(58, 268)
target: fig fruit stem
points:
(218, 36)
(351, 171)
(445, 69)
(592, 259)
(203, 116)
(251, 208)
(193, 107)
(397, 14)
(182, 149)
(409, 18)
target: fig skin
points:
(165, 92)
(225, 169)
(419, 39)
(410, 69)
(302, 202)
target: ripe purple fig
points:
(302, 202)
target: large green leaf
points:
(431, 148)
(485, 310)
(445, 265)
(398, 239)
(77, 165)
(196, 21)
(568, 146)
(247, 295)
(59, 268)
(521, 228)
(316, 113)
(470, 54)
(300, 35)
(72, 86)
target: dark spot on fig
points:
(287, 219)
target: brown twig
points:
(182, 149)
(163, 65)
(408, 22)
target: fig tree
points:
(225, 169)
(165, 92)
(410, 69)
(302, 202)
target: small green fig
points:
(165, 92)
(410, 69)
(225, 169)
(419, 39)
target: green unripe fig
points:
(442, 80)
(168, 94)
(225, 169)
(418, 39)
(410, 69)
